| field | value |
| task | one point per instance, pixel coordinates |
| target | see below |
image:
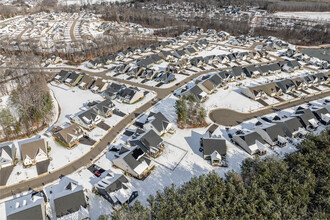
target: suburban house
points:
(87, 119)
(116, 189)
(166, 55)
(309, 81)
(130, 95)
(214, 149)
(99, 86)
(255, 92)
(68, 199)
(291, 127)
(7, 154)
(149, 141)
(30, 206)
(86, 82)
(207, 86)
(321, 77)
(251, 142)
(216, 80)
(307, 118)
(251, 71)
(112, 91)
(285, 66)
(73, 79)
(165, 77)
(159, 123)
(294, 64)
(299, 83)
(33, 151)
(70, 135)
(237, 73)
(286, 85)
(197, 61)
(272, 89)
(322, 114)
(271, 133)
(196, 91)
(225, 76)
(133, 161)
(62, 76)
(104, 108)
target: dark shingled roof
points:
(214, 144)
(250, 138)
(33, 213)
(69, 203)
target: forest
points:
(31, 107)
(296, 187)
(190, 112)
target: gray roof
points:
(236, 71)
(196, 91)
(216, 79)
(7, 148)
(30, 207)
(135, 157)
(159, 122)
(274, 131)
(147, 140)
(290, 125)
(305, 115)
(105, 106)
(69, 203)
(251, 138)
(90, 114)
(214, 144)
(285, 84)
(32, 213)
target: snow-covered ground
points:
(324, 16)
(84, 2)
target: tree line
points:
(30, 107)
(296, 187)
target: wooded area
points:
(296, 187)
(31, 107)
(190, 112)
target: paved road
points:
(228, 117)
(19, 37)
(73, 37)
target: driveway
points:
(42, 167)
(103, 126)
(87, 141)
(4, 174)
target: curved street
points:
(228, 117)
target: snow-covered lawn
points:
(324, 16)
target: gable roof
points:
(214, 144)
(70, 133)
(105, 106)
(290, 125)
(7, 153)
(273, 131)
(26, 207)
(88, 117)
(158, 121)
(66, 197)
(251, 138)
(32, 148)
(216, 80)
(147, 140)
